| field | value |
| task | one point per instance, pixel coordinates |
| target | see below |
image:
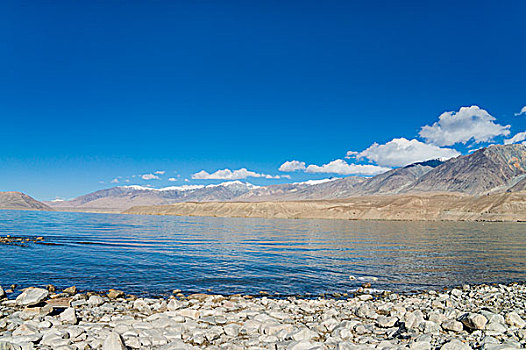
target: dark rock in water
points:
(51, 288)
(114, 294)
(71, 290)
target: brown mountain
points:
(492, 169)
(19, 200)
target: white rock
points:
(514, 320)
(455, 344)
(9, 346)
(420, 345)
(474, 321)
(95, 300)
(2, 293)
(32, 296)
(495, 328)
(69, 316)
(113, 342)
(386, 322)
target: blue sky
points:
(93, 91)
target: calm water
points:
(156, 254)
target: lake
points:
(153, 255)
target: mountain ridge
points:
(20, 201)
(495, 169)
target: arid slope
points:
(416, 207)
(19, 200)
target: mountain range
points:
(495, 169)
(21, 201)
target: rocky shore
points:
(477, 317)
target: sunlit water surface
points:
(156, 254)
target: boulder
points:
(474, 321)
(32, 296)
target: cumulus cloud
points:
(519, 137)
(115, 181)
(292, 165)
(523, 111)
(160, 172)
(401, 152)
(149, 177)
(172, 179)
(339, 166)
(227, 174)
(469, 123)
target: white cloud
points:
(115, 181)
(401, 152)
(149, 177)
(339, 166)
(227, 174)
(469, 123)
(172, 179)
(160, 172)
(351, 154)
(521, 136)
(292, 165)
(523, 111)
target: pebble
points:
(479, 317)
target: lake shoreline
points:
(489, 317)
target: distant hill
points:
(123, 197)
(412, 207)
(495, 169)
(19, 200)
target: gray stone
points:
(386, 322)
(420, 345)
(452, 325)
(495, 328)
(455, 344)
(429, 327)
(2, 293)
(32, 296)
